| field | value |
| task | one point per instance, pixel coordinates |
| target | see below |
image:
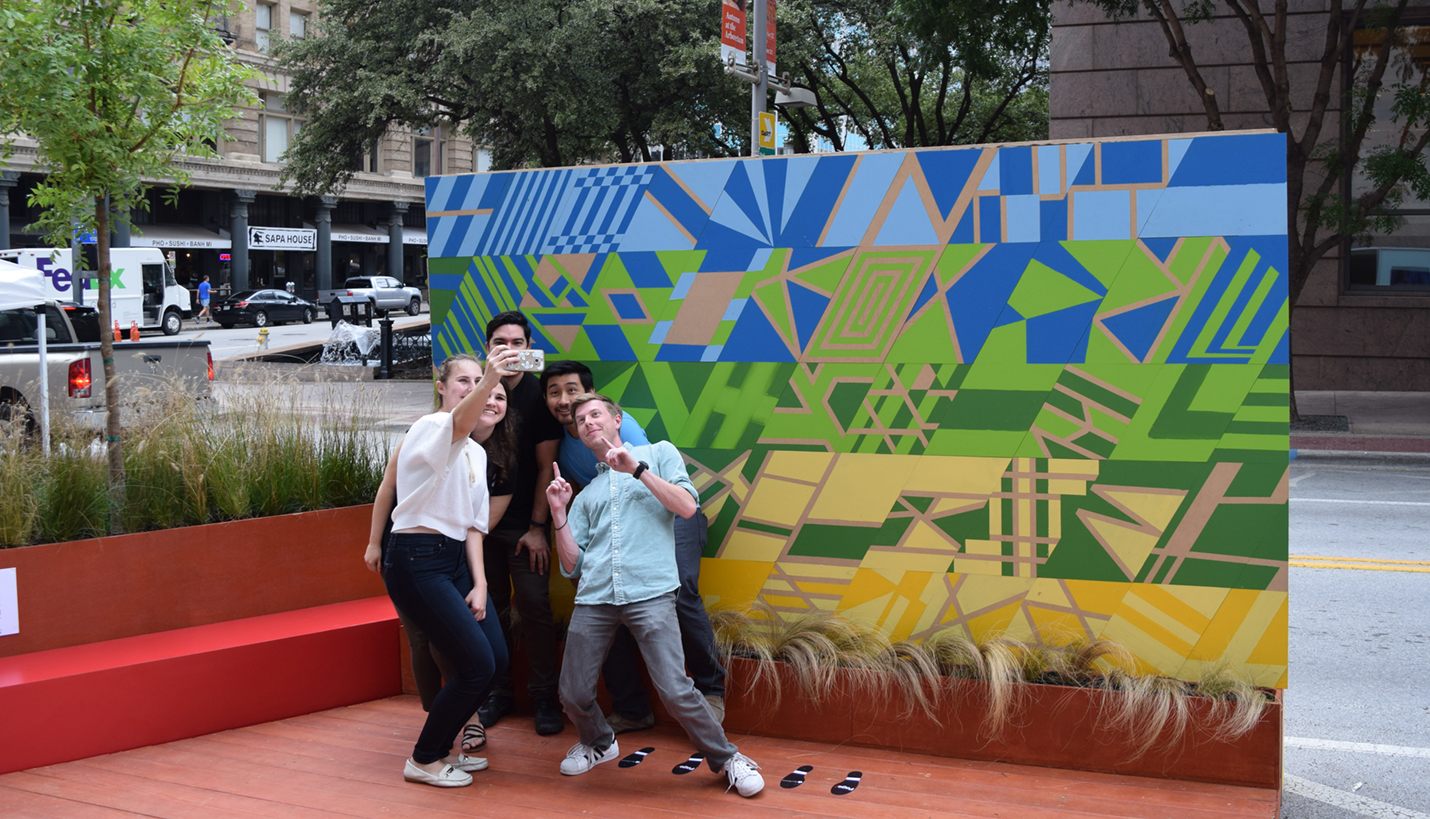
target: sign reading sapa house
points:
(269, 238)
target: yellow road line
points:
(1360, 564)
(1363, 560)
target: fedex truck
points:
(143, 289)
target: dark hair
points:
(501, 447)
(564, 367)
(509, 317)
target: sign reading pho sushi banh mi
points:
(1037, 389)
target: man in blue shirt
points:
(562, 383)
(205, 290)
(618, 540)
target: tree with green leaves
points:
(898, 75)
(110, 91)
(1347, 170)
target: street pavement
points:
(1358, 707)
(242, 340)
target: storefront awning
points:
(414, 236)
(358, 233)
(177, 236)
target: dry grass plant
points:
(1237, 704)
(1148, 709)
(19, 478)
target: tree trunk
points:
(114, 448)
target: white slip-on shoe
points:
(744, 775)
(448, 777)
(582, 758)
(470, 764)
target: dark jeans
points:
(702, 658)
(429, 667)
(428, 580)
(507, 571)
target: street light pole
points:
(760, 88)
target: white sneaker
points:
(470, 764)
(744, 775)
(448, 777)
(582, 758)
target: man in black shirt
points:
(517, 555)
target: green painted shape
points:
(990, 410)
(1184, 263)
(720, 529)
(1102, 258)
(954, 259)
(1256, 480)
(1139, 279)
(734, 405)
(613, 276)
(999, 375)
(980, 443)
(582, 349)
(846, 401)
(828, 275)
(439, 304)
(1185, 412)
(1193, 299)
(846, 542)
(1043, 290)
(637, 392)
(1005, 345)
(921, 504)
(1219, 574)
(677, 262)
(772, 296)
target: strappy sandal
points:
(474, 738)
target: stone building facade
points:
(377, 225)
(1363, 320)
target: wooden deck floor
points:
(347, 762)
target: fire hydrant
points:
(133, 331)
(263, 338)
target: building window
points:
(481, 160)
(276, 128)
(262, 25)
(297, 25)
(1398, 261)
(427, 152)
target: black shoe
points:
(548, 718)
(494, 709)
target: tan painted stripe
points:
(471, 212)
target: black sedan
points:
(263, 307)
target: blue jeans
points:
(428, 580)
(697, 638)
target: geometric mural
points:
(1032, 389)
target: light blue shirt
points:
(578, 462)
(626, 537)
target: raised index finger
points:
(557, 467)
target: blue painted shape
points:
(1054, 213)
(1050, 173)
(495, 190)
(800, 257)
(740, 197)
(676, 201)
(1102, 215)
(562, 319)
(457, 193)
(1081, 164)
(928, 291)
(593, 272)
(455, 229)
(575, 298)
(1236, 159)
(704, 179)
(979, 296)
(1131, 163)
(1146, 205)
(806, 221)
(645, 269)
(908, 221)
(1162, 247)
(757, 172)
(1267, 311)
(1272, 250)
(726, 249)
(797, 173)
(1230, 210)
(712, 352)
(435, 189)
(1282, 353)
(1056, 256)
(1054, 338)
(610, 342)
(963, 234)
(991, 174)
(1024, 218)
(541, 342)
(651, 230)
(732, 310)
(445, 281)
(627, 306)
(990, 220)
(657, 335)
(1015, 171)
(559, 287)
(760, 259)
(682, 287)
(1007, 317)
(1176, 150)
(1138, 329)
(808, 308)
(775, 173)
(680, 352)
(754, 339)
(872, 177)
(947, 173)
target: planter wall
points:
(103, 589)
(1053, 726)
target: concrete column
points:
(120, 235)
(394, 241)
(238, 226)
(8, 180)
(324, 221)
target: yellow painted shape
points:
(1272, 648)
(1193, 606)
(1156, 509)
(725, 583)
(949, 504)
(1223, 628)
(754, 546)
(923, 536)
(1131, 546)
(1067, 486)
(980, 592)
(804, 466)
(867, 585)
(779, 502)
(994, 622)
(911, 589)
(896, 561)
(1098, 596)
(795, 567)
(971, 476)
(991, 548)
(1148, 642)
(862, 488)
(1088, 470)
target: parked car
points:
(263, 307)
(385, 293)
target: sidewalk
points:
(1380, 422)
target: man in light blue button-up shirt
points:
(618, 541)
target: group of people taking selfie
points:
(519, 456)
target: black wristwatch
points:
(641, 466)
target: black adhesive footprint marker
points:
(795, 778)
(848, 785)
(688, 765)
(632, 760)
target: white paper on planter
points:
(9, 601)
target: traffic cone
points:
(133, 331)
(118, 336)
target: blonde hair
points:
(444, 372)
(595, 396)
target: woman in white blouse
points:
(432, 565)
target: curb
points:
(1330, 456)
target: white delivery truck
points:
(144, 291)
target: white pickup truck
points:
(144, 291)
(76, 370)
(385, 293)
